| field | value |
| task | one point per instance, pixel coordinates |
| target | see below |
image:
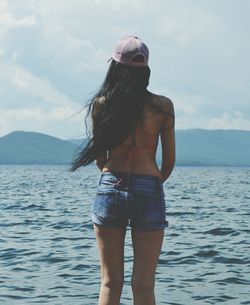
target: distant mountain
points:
(22, 147)
(194, 147)
(218, 147)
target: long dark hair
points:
(116, 110)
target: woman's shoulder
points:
(162, 101)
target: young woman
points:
(127, 121)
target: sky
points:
(53, 58)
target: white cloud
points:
(37, 105)
(33, 86)
(193, 24)
(229, 120)
(8, 20)
(194, 111)
(54, 53)
(65, 122)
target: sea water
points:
(48, 251)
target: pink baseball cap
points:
(131, 51)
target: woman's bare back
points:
(142, 159)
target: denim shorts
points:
(129, 198)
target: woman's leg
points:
(110, 243)
(147, 246)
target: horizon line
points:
(78, 138)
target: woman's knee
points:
(142, 285)
(114, 283)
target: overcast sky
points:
(53, 56)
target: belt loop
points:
(119, 181)
(100, 180)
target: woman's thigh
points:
(110, 244)
(147, 247)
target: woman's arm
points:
(168, 140)
(101, 160)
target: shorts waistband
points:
(129, 174)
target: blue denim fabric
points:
(128, 198)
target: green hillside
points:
(20, 147)
(213, 147)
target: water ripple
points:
(49, 253)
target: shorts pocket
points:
(150, 208)
(106, 205)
